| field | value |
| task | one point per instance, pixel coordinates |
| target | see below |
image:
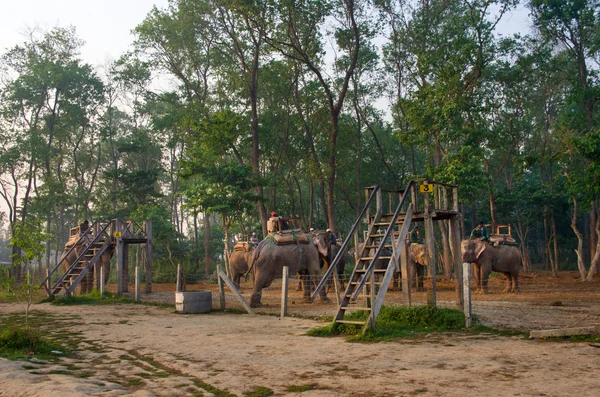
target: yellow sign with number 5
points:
(426, 188)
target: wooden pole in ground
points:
(121, 257)
(137, 283)
(467, 293)
(47, 279)
(178, 285)
(430, 245)
(102, 292)
(458, 269)
(284, 291)
(221, 287)
(406, 298)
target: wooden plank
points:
(137, 283)
(148, 264)
(430, 245)
(235, 291)
(284, 291)
(560, 332)
(467, 293)
(457, 257)
(102, 292)
(221, 287)
(120, 248)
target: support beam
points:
(284, 291)
(467, 293)
(430, 245)
(457, 257)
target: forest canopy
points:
(296, 106)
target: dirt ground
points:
(154, 351)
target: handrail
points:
(369, 268)
(342, 250)
(64, 258)
(95, 240)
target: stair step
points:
(382, 224)
(374, 270)
(351, 322)
(367, 309)
(376, 246)
(368, 258)
(382, 235)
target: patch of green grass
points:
(396, 322)
(60, 372)
(16, 343)
(94, 298)
(211, 389)
(419, 391)
(134, 381)
(259, 391)
(300, 388)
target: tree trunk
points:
(493, 211)
(579, 250)
(555, 235)
(311, 205)
(593, 234)
(226, 245)
(196, 245)
(206, 245)
(596, 258)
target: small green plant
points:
(300, 388)
(259, 391)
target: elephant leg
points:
(478, 278)
(420, 277)
(515, 286)
(316, 279)
(485, 277)
(508, 282)
(308, 288)
(259, 283)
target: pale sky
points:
(104, 25)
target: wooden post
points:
(178, 284)
(148, 264)
(102, 292)
(467, 292)
(430, 245)
(47, 279)
(121, 257)
(455, 199)
(221, 287)
(458, 269)
(406, 297)
(336, 283)
(223, 278)
(137, 283)
(284, 291)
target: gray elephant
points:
(327, 253)
(417, 260)
(487, 258)
(87, 283)
(240, 261)
(270, 259)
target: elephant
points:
(239, 262)
(87, 283)
(417, 260)
(487, 258)
(327, 253)
(270, 258)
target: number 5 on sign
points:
(426, 188)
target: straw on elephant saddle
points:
(241, 246)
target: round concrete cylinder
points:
(193, 301)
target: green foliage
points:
(259, 391)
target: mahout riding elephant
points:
(270, 259)
(487, 258)
(87, 283)
(240, 261)
(327, 253)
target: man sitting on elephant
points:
(276, 223)
(415, 236)
(480, 232)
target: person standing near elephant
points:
(480, 232)
(415, 236)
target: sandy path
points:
(151, 351)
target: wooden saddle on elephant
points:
(502, 236)
(292, 236)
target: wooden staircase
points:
(385, 243)
(98, 243)
(385, 247)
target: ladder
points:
(365, 272)
(84, 262)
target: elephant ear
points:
(479, 248)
